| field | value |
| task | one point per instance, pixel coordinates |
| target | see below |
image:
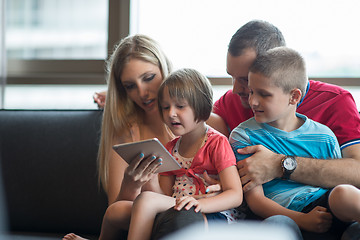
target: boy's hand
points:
(187, 202)
(317, 220)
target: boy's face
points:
(178, 114)
(269, 103)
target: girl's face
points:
(141, 81)
(268, 102)
(178, 115)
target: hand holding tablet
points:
(128, 151)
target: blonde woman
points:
(136, 69)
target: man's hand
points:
(99, 99)
(261, 167)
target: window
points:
(196, 33)
(62, 41)
(66, 41)
(56, 29)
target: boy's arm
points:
(265, 165)
(318, 220)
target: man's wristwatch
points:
(289, 165)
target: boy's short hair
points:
(193, 86)
(258, 35)
(284, 66)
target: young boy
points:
(277, 82)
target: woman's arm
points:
(318, 220)
(166, 184)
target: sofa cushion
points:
(49, 170)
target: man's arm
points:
(329, 173)
(265, 165)
(218, 123)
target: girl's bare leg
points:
(146, 206)
(344, 202)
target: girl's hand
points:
(187, 202)
(141, 170)
(317, 220)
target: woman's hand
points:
(99, 99)
(214, 185)
(141, 170)
(212, 190)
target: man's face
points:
(238, 68)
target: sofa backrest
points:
(49, 171)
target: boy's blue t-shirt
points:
(312, 139)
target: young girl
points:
(185, 103)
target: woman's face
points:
(141, 81)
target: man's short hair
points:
(258, 35)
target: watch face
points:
(289, 164)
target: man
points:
(325, 103)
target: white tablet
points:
(128, 151)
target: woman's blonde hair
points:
(120, 112)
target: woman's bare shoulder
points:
(132, 134)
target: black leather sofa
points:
(49, 173)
